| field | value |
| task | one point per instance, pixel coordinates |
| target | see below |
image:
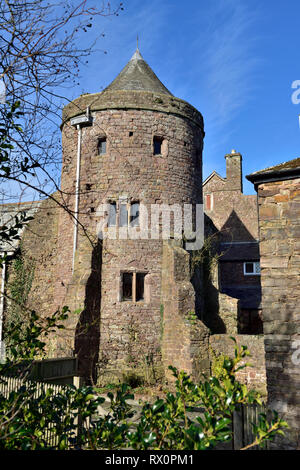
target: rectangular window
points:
(134, 214)
(102, 146)
(157, 143)
(140, 282)
(127, 286)
(123, 215)
(252, 268)
(112, 214)
(133, 286)
(208, 202)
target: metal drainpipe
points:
(2, 302)
(76, 195)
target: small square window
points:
(102, 146)
(133, 286)
(252, 268)
(249, 268)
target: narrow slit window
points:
(102, 146)
(112, 214)
(208, 202)
(127, 279)
(123, 221)
(134, 214)
(140, 283)
(157, 145)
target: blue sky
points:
(234, 60)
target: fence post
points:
(77, 381)
(237, 424)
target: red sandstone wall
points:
(255, 376)
(129, 333)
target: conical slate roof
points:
(137, 75)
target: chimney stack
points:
(234, 171)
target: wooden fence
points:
(60, 371)
(242, 428)
(241, 423)
(13, 384)
(10, 384)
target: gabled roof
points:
(137, 75)
(214, 173)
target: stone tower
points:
(132, 145)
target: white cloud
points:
(230, 63)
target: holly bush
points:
(35, 418)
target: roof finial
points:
(137, 42)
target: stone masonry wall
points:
(39, 247)
(279, 226)
(128, 332)
(255, 376)
(220, 310)
(184, 337)
(233, 213)
(234, 216)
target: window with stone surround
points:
(123, 213)
(252, 268)
(157, 145)
(208, 202)
(127, 279)
(112, 214)
(134, 213)
(102, 146)
(133, 286)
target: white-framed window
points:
(251, 268)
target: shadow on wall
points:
(87, 335)
(203, 280)
(235, 230)
(226, 300)
(211, 317)
(233, 280)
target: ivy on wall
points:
(21, 274)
